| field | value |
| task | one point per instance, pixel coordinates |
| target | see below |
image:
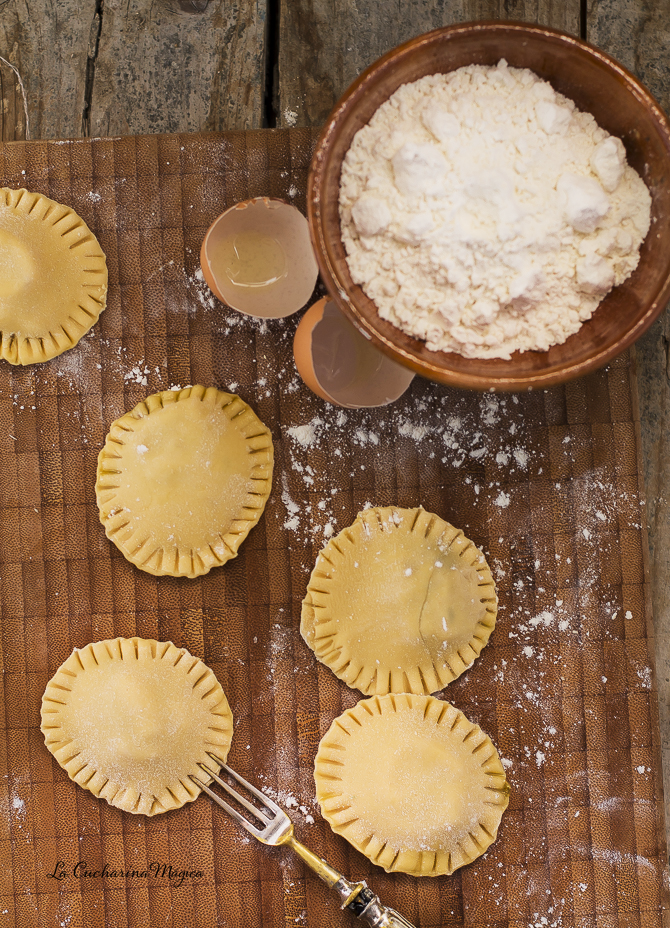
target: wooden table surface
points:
(117, 67)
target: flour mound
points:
(485, 214)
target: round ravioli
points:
(130, 719)
(53, 277)
(399, 602)
(411, 783)
(183, 478)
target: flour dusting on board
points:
(488, 455)
(491, 436)
(530, 478)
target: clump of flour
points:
(484, 213)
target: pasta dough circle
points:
(130, 719)
(53, 277)
(182, 479)
(400, 602)
(411, 783)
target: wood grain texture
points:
(159, 69)
(120, 68)
(13, 105)
(48, 44)
(155, 69)
(638, 35)
(323, 46)
(546, 482)
(654, 399)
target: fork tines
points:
(262, 815)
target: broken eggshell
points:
(257, 258)
(340, 365)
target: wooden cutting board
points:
(547, 483)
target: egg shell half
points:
(340, 365)
(281, 222)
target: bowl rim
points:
(543, 378)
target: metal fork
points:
(276, 828)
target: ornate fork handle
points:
(366, 906)
(355, 897)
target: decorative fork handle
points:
(355, 897)
(366, 906)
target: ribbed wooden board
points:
(547, 483)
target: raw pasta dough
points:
(130, 719)
(183, 478)
(399, 602)
(411, 783)
(53, 277)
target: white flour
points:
(484, 213)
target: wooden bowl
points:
(597, 84)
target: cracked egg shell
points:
(257, 258)
(340, 365)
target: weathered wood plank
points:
(325, 44)
(159, 69)
(143, 66)
(638, 35)
(13, 105)
(47, 43)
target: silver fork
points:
(276, 828)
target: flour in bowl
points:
(484, 213)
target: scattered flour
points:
(306, 435)
(489, 456)
(138, 375)
(502, 500)
(292, 508)
(411, 430)
(484, 213)
(199, 289)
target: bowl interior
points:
(597, 85)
